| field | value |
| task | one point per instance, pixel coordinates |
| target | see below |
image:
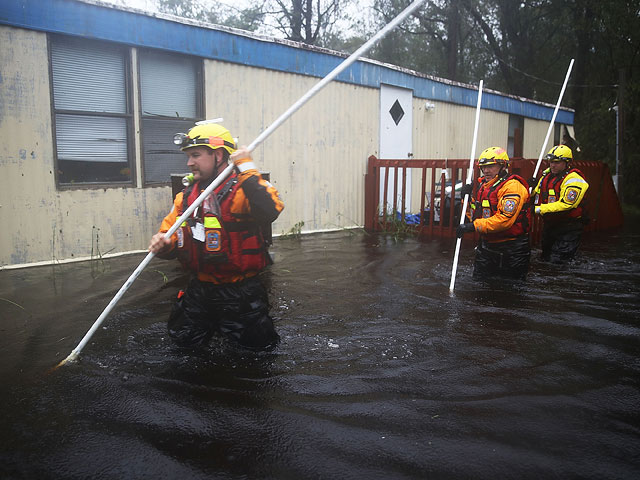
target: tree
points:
(304, 20)
(524, 48)
(307, 21)
(439, 40)
(251, 18)
(519, 47)
(608, 49)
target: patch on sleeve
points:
(572, 195)
(509, 206)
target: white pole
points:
(227, 171)
(465, 203)
(553, 119)
(617, 109)
(336, 71)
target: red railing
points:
(436, 218)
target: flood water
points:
(381, 374)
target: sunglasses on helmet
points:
(554, 158)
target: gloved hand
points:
(537, 210)
(464, 228)
(241, 158)
(466, 189)
(533, 181)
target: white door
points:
(396, 126)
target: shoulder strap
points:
(185, 197)
(224, 191)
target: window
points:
(91, 110)
(516, 134)
(557, 134)
(170, 93)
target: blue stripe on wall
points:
(100, 22)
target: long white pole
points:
(227, 171)
(465, 203)
(553, 119)
(336, 71)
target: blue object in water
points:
(409, 218)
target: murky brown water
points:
(381, 373)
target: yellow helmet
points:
(560, 153)
(212, 135)
(493, 155)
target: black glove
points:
(533, 181)
(466, 189)
(464, 228)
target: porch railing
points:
(438, 189)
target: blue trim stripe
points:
(103, 22)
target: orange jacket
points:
(512, 196)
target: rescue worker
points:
(559, 200)
(222, 244)
(501, 217)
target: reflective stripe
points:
(243, 167)
(485, 203)
(184, 223)
(211, 222)
(552, 192)
(575, 180)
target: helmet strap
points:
(223, 161)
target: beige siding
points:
(447, 131)
(317, 159)
(534, 133)
(41, 223)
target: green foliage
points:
(630, 185)
(295, 231)
(630, 210)
(395, 227)
(524, 48)
(165, 279)
(98, 264)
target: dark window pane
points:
(169, 87)
(161, 156)
(75, 172)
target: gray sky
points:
(354, 8)
(150, 5)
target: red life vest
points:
(552, 183)
(233, 244)
(519, 227)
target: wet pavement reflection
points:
(380, 374)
